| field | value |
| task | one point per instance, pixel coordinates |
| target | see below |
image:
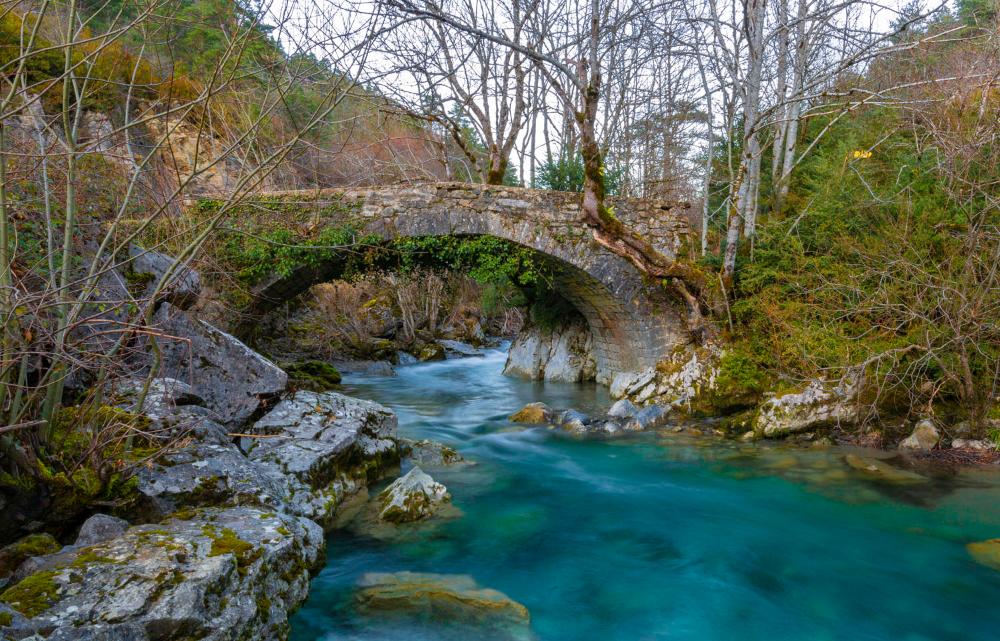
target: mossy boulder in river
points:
(533, 414)
(412, 497)
(452, 597)
(432, 352)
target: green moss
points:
(33, 595)
(32, 545)
(6, 618)
(317, 376)
(283, 531)
(226, 542)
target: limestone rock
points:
(445, 596)
(573, 421)
(622, 408)
(814, 407)
(647, 418)
(233, 379)
(972, 444)
(986, 553)
(100, 528)
(149, 267)
(308, 438)
(427, 453)
(532, 414)
(924, 437)
(564, 353)
(878, 470)
(412, 497)
(224, 574)
(459, 348)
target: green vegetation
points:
(317, 376)
(566, 174)
(227, 542)
(32, 595)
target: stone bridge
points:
(634, 322)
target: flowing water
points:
(663, 536)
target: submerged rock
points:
(563, 353)
(223, 574)
(878, 470)
(412, 497)
(452, 597)
(233, 379)
(532, 414)
(986, 552)
(924, 437)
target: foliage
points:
(565, 173)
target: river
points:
(663, 536)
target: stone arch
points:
(633, 322)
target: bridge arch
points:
(634, 323)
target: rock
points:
(962, 429)
(604, 428)
(163, 396)
(412, 497)
(623, 381)
(623, 409)
(459, 348)
(312, 375)
(13, 555)
(431, 352)
(647, 418)
(879, 470)
(564, 353)
(812, 408)
(368, 368)
(573, 421)
(147, 269)
(986, 552)
(404, 358)
(439, 596)
(233, 379)
(322, 447)
(223, 574)
(972, 444)
(532, 414)
(427, 453)
(924, 437)
(100, 528)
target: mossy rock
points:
(986, 553)
(315, 376)
(16, 553)
(432, 352)
(33, 595)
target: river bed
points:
(662, 536)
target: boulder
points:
(972, 444)
(881, 471)
(647, 418)
(563, 353)
(622, 408)
(147, 268)
(100, 528)
(459, 348)
(432, 352)
(322, 447)
(812, 408)
(223, 574)
(573, 421)
(313, 375)
(427, 453)
(924, 437)
(532, 414)
(233, 379)
(986, 552)
(368, 368)
(163, 396)
(15, 554)
(447, 597)
(412, 497)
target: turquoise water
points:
(663, 536)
